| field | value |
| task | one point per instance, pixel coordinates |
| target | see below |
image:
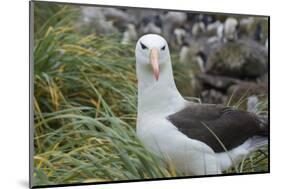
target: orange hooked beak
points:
(154, 61)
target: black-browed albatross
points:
(198, 139)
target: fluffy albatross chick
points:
(198, 139)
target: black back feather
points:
(216, 124)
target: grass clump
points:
(85, 111)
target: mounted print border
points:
(118, 94)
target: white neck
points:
(160, 96)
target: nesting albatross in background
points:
(198, 139)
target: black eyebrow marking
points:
(143, 46)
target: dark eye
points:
(163, 48)
(143, 46)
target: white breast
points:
(189, 156)
(160, 136)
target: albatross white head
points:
(153, 60)
(156, 85)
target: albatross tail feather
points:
(256, 142)
(262, 138)
(263, 125)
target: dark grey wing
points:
(216, 125)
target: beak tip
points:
(157, 77)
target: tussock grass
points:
(85, 111)
(85, 96)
